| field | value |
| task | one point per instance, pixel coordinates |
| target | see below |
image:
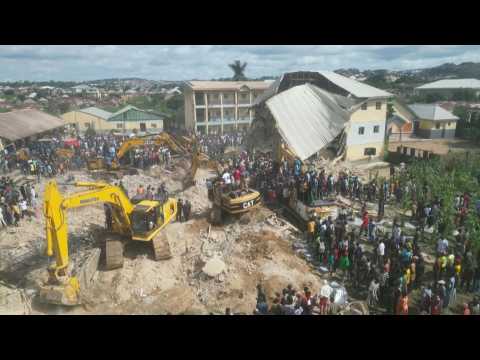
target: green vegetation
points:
(3, 110)
(468, 127)
(445, 178)
(238, 70)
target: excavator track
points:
(113, 253)
(161, 247)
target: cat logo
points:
(247, 204)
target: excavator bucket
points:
(67, 294)
(161, 247)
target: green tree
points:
(238, 70)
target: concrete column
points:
(206, 112)
(236, 107)
(221, 112)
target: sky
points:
(186, 62)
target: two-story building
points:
(322, 110)
(215, 107)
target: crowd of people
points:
(16, 202)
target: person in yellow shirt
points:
(311, 230)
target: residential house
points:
(448, 87)
(215, 107)
(400, 123)
(433, 122)
(90, 117)
(129, 119)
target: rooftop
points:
(452, 84)
(431, 112)
(354, 87)
(228, 85)
(96, 112)
(20, 124)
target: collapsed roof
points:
(19, 124)
(309, 118)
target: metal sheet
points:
(308, 118)
(20, 124)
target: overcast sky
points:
(184, 62)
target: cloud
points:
(184, 62)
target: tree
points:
(238, 70)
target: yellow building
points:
(128, 119)
(364, 106)
(433, 122)
(92, 117)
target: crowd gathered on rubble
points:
(383, 266)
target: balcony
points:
(215, 120)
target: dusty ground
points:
(260, 251)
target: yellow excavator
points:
(142, 221)
(163, 139)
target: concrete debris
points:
(214, 267)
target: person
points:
(23, 208)
(466, 309)
(364, 226)
(140, 190)
(179, 210)
(403, 304)
(262, 306)
(380, 253)
(310, 230)
(186, 210)
(108, 216)
(372, 298)
(371, 230)
(2, 220)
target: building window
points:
(153, 125)
(244, 96)
(449, 123)
(376, 129)
(119, 126)
(437, 126)
(361, 130)
(87, 125)
(370, 151)
(378, 105)
(364, 106)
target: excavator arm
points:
(55, 206)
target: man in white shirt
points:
(380, 253)
(227, 179)
(23, 207)
(442, 246)
(2, 220)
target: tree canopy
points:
(238, 70)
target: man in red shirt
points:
(364, 226)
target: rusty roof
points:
(20, 124)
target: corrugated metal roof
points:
(308, 118)
(135, 115)
(452, 84)
(356, 88)
(228, 85)
(431, 112)
(96, 112)
(20, 124)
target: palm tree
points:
(238, 69)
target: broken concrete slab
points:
(214, 267)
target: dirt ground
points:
(257, 252)
(437, 146)
(265, 248)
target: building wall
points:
(224, 111)
(189, 109)
(82, 120)
(427, 129)
(367, 119)
(151, 125)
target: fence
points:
(408, 154)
